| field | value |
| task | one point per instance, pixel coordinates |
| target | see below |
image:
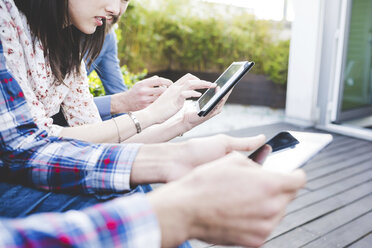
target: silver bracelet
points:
(136, 122)
(117, 129)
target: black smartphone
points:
(279, 142)
(225, 83)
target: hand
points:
(191, 118)
(162, 163)
(173, 99)
(229, 201)
(198, 151)
(141, 95)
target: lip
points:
(109, 19)
(99, 20)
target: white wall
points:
(304, 61)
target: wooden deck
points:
(335, 207)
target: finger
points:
(216, 110)
(190, 93)
(244, 144)
(227, 95)
(152, 98)
(149, 99)
(293, 181)
(270, 206)
(223, 100)
(155, 91)
(261, 154)
(285, 199)
(199, 84)
(188, 76)
(238, 231)
(156, 81)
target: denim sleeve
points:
(107, 66)
(104, 106)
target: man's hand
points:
(230, 201)
(196, 152)
(162, 163)
(141, 95)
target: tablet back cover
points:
(291, 159)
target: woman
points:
(46, 41)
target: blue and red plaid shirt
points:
(29, 155)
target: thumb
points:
(245, 144)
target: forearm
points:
(111, 130)
(120, 103)
(154, 162)
(127, 222)
(161, 133)
(175, 214)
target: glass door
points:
(355, 99)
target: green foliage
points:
(131, 78)
(95, 84)
(169, 35)
(277, 64)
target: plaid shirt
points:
(123, 222)
(29, 155)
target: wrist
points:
(119, 103)
(186, 125)
(172, 206)
(146, 117)
(159, 113)
(177, 125)
(152, 164)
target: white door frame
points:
(316, 66)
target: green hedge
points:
(95, 83)
(172, 37)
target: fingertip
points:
(260, 139)
(261, 136)
(212, 85)
(299, 179)
(237, 155)
(299, 173)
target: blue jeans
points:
(20, 201)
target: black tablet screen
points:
(221, 81)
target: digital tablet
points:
(297, 155)
(280, 142)
(225, 83)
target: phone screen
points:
(221, 81)
(281, 141)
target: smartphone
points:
(280, 142)
(225, 83)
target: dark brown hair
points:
(64, 45)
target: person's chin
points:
(90, 30)
(87, 29)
